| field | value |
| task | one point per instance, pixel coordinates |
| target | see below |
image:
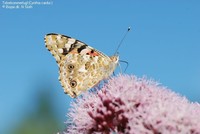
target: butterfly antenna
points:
(120, 43)
(125, 63)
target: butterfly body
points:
(81, 67)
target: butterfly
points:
(81, 67)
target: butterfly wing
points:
(60, 45)
(80, 66)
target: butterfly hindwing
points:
(80, 66)
(79, 72)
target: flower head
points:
(131, 105)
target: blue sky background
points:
(164, 44)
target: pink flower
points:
(131, 105)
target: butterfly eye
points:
(73, 83)
(70, 66)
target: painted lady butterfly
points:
(81, 67)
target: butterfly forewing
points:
(60, 45)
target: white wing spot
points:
(95, 59)
(86, 57)
(71, 41)
(82, 69)
(60, 50)
(58, 37)
(84, 51)
(67, 45)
